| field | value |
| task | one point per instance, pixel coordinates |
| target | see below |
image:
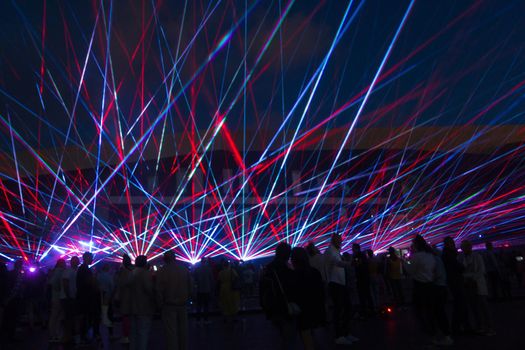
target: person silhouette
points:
(142, 304)
(88, 299)
(174, 288)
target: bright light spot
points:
(58, 249)
(32, 269)
(193, 261)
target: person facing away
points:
(142, 304)
(316, 259)
(203, 276)
(492, 271)
(454, 270)
(173, 294)
(375, 278)
(106, 283)
(88, 298)
(277, 288)
(394, 273)
(229, 297)
(349, 274)
(362, 274)
(14, 301)
(69, 279)
(439, 302)
(310, 297)
(420, 268)
(123, 295)
(476, 290)
(335, 275)
(56, 314)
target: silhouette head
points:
(141, 261)
(420, 245)
(300, 258)
(74, 262)
(283, 251)
(87, 258)
(61, 264)
(126, 260)
(312, 250)
(169, 257)
(336, 240)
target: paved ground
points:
(254, 332)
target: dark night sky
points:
(456, 58)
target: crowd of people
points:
(301, 290)
(76, 298)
